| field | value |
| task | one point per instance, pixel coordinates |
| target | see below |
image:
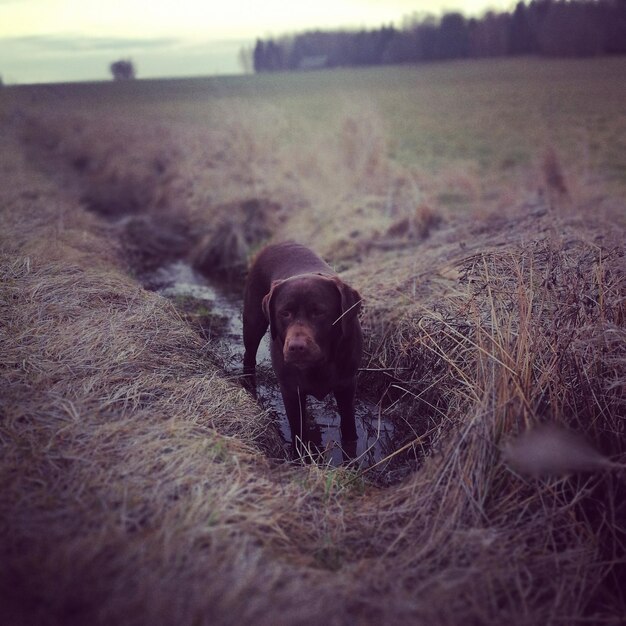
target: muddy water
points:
(216, 311)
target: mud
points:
(214, 310)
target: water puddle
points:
(215, 311)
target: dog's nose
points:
(297, 345)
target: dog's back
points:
(284, 260)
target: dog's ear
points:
(350, 306)
(268, 307)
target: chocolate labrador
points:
(316, 339)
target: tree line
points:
(542, 27)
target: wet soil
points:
(214, 310)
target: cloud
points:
(52, 44)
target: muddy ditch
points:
(169, 257)
(213, 308)
(203, 273)
(197, 259)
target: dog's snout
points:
(298, 345)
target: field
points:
(480, 210)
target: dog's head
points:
(310, 314)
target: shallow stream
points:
(215, 311)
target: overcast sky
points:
(67, 40)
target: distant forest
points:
(577, 28)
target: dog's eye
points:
(318, 313)
(285, 313)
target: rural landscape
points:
(478, 207)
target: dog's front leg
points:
(345, 406)
(295, 407)
(254, 327)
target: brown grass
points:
(141, 486)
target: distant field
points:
(478, 207)
(495, 115)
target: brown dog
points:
(316, 339)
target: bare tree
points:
(123, 69)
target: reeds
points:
(141, 486)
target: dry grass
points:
(141, 486)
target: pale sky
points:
(66, 40)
